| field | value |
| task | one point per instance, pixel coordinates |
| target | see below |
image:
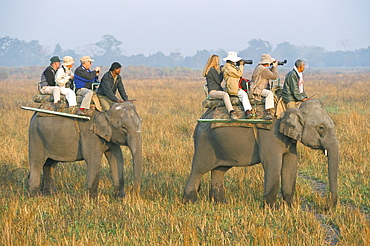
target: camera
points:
(245, 62)
(281, 63)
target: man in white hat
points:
(232, 74)
(84, 77)
(63, 76)
(260, 78)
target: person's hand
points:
(97, 69)
(275, 63)
(241, 62)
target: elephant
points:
(62, 139)
(217, 150)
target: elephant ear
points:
(291, 124)
(101, 126)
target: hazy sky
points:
(148, 26)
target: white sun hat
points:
(232, 56)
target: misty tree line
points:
(15, 53)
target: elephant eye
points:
(321, 129)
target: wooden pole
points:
(57, 113)
(252, 121)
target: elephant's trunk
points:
(135, 145)
(333, 163)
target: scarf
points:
(300, 81)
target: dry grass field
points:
(169, 107)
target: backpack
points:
(244, 84)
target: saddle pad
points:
(258, 112)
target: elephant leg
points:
(217, 191)
(289, 176)
(93, 175)
(272, 168)
(192, 186)
(34, 180)
(115, 158)
(48, 184)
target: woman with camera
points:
(214, 78)
(233, 71)
(260, 78)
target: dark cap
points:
(114, 65)
(55, 59)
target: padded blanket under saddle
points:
(47, 102)
(258, 113)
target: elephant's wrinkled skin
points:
(61, 139)
(219, 149)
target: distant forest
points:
(17, 53)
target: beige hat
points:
(68, 60)
(266, 59)
(86, 59)
(232, 56)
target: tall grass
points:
(169, 108)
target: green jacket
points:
(291, 90)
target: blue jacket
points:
(84, 77)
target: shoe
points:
(233, 115)
(72, 110)
(248, 114)
(80, 112)
(268, 115)
(57, 105)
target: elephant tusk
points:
(138, 131)
(325, 152)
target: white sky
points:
(148, 26)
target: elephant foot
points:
(34, 191)
(119, 193)
(93, 194)
(191, 197)
(49, 191)
(217, 196)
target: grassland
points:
(169, 107)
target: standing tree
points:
(109, 46)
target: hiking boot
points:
(268, 115)
(248, 114)
(72, 110)
(80, 112)
(233, 115)
(57, 105)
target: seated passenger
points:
(233, 71)
(84, 77)
(260, 78)
(47, 84)
(293, 91)
(110, 82)
(214, 78)
(62, 77)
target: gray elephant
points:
(219, 149)
(62, 139)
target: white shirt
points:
(62, 77)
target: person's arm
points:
(121, 89)
(83, 73)
(61, 78)
(235, 72)
(270, 73)
(106, 87)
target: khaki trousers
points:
(105, 102)
(222, 95)
(51, 90)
